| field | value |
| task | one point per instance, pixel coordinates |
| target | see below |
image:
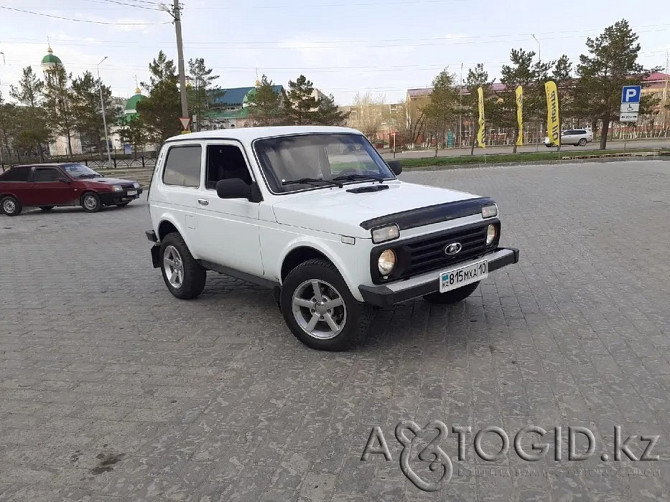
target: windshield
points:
(298, 162)
(80, 171)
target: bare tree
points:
(369, 114)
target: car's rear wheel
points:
(320, 310)
(183, 275)
(46, 208)
(11, 205)
(453, 296)
(582, 142)
(90, 201)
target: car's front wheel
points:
(11, 206)
(90, 201)
(183, 275)
(453, 296)
(320, 310)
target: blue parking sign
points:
(630, 94)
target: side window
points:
(16, 174)
(225, 162)
(182, 166)
(46, 174)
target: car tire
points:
(304, 298)
(122, 204)
(46, 208)
(183, 276)
(453, 296)
(582, 142)
(11, 206)
(90, 201)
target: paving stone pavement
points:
(111, 389)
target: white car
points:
(575, 137)
(317, 215)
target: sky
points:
(343, 46)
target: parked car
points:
(66, 184)
(317, 215)
(575, 137)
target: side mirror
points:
(395, 166)
(64, 180)
(233, 188)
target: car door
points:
(568, 137)
(228, 232)
(51, 187)
(179, 187)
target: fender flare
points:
(320, 246)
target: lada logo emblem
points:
(453, 248)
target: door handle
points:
(203, 202)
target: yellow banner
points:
(553, 119)
(480, 132)
(519, 114)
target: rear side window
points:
(16, 174)
(182, 166)
(46, 174)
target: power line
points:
(134, 5)
(77, 20)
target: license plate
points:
(467, 274)
(132, 192)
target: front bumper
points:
(400, 291)
(111, 198)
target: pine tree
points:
(86, 110)
(202, 91)
(443, 106)
(160, 111)
(265, 104)
(29, 124)
(476, 78)
(328, 113)
(611, 63)
(531, 77)
(58, 101)
(300, 103)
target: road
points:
(113, 390)
(455, 152)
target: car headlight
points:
(117, 188)
(386, 262)
(136, 184)
(491, 234)
(489, 211)
(383, 234)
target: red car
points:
(66, 184)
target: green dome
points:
(131, 104)
(51, 59)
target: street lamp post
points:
(102, 107)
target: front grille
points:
(428, 254)
(127, 186)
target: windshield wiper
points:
(313, 181)
(358, 177)
(82, 176)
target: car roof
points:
(248, 134)
(47, 164)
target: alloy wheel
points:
(319, 309)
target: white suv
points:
(317, 215)
(575, 137)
